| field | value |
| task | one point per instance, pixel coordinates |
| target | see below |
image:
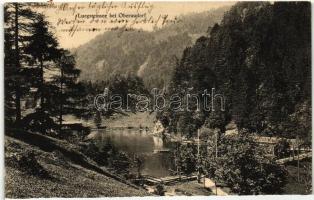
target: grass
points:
(40, 166)
(188, 189)
(301, 187)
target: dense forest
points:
(259, 58)
(150, 55)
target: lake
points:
(140, 143)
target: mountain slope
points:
(150, 55)
(55, 168)
(259, 59)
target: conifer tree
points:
(43, 48)
(17, 16)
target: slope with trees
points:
(149, 54)
(258, 57)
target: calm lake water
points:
(143, 144)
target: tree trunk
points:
(41, 83)
(61, 101)
(17, 60)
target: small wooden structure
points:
(290, 159)
(168, 180)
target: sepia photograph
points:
(150, 99)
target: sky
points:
(72, 33)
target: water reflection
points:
(140, 143)
(158, 143)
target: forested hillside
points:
(150, 55)
(259, 58)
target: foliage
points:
(160, 189)
(139, 163)
(107, 155)
(39, 121)
(38, 72)
(282, 149)
(150, 55)
(306, 178)
(29, 164)
(186, 159)
(121, 163)
(241, 165)
(259, 59)
(17, 16)
(56, 82)
(127, 87)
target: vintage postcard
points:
(120, 99)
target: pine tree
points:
(16, 19)
(57, 87)
(68, 93)
(43, 48)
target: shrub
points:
(241, 165)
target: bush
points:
(241, 165)
(108, 156)
(160, 189)
(186, 158)
(28, 163)
(282, 149)
(40, 122)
